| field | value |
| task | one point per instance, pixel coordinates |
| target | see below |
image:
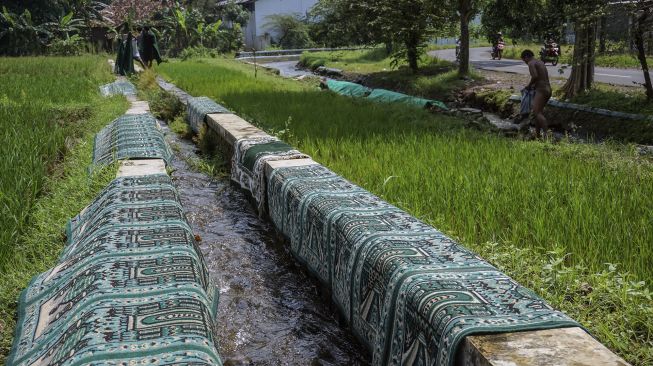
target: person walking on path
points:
(150, 47)
(540, 83)
(136, 53)
(125, 59)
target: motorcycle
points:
(497, 51)
(550, 53)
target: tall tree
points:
(585, 15)
(523, 19)
(407, 24)
(466, 10)
(643, 22)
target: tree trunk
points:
(638, 36)
(465, 9)
(412, 53)
(582, 69)
(603, 34)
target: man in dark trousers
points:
(150, 47)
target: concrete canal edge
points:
(561, 346)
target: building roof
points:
(225, 2)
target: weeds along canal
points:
(270, 312)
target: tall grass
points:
(552, 215)
(435, 79)
(591, 200)
(43, 105)
(49, 110)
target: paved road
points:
(481, 59)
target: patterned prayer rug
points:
(130, 287)
(248, 163)
(118, 87)
(198, 108)
(131, 137)
(410, 293)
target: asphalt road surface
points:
(481, 59)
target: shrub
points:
(71, 46)
(291, 31)
(197, 52)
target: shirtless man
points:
(539, 82)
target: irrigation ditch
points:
(309, 268)
(299, 180)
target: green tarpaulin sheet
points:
(388, 96)
(131, 287)
(348, 89)
(380, 95)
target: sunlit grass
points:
(50, 109)
(435, 79)
(44, 105)
(551, 215)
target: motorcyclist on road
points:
(498, 40)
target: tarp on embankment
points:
(409, 292)
(348, 89)
(131, 287)
(131, 137)
(199, 108)
(381, 95)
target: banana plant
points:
(18, 33)
(66, 25)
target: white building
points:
(257, 36)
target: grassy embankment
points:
(50, 109)
(549, 215)
(620, 61)
(436, 78)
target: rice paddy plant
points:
(44, 103)
(571, 221)
(50, 109)
(595, 201)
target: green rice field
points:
(560, 218)
(50, 109)
(43, 105)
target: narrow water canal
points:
(270, 311)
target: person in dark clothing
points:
(125, 58)
(150, 47)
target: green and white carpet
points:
(131, 137)
(118, 87)
(248, 163)
(198, 108)
(130, 287)
(410, 293)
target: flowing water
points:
(288, 69)
(270, 311)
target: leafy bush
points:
(164, 105)
(71, 46)
(197, 52)
(291, 31)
